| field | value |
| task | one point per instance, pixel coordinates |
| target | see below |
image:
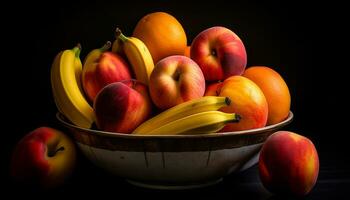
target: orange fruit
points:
(275, 90)
(187, 52)
(162, 34)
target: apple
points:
(288, 164)
(122, 106)
(174, 80)
(107, 68)
(247, 100)
(219, 52)
(44, 157)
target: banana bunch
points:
(66, 87)
(197, 116)
(137, 53)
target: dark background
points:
(291, 38)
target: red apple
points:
(102, 68)
(247, 100)
(288, 164)
(174, 80)
(122, 106)
(45, 157)
(219, 52)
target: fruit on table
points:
(163, 35)
(138, 56)
(219, 52)
(44, 157)
(174, 80)
(102, 68)
(247, 100)
(203, 104)
(122, 106)
(275, 90)
(288, 164)
(199, 123)
(66, 73)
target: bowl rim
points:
(285, 122)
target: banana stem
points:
(237, 118)
(227, 101)
(106, 46)
(77, 50)
(119, 34)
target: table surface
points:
(89, 181)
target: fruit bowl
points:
(172, 161)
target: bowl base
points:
(174, 186)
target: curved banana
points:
(199, 123)
(117, 46)
(206, 103)
(66, 87)
(138, 55)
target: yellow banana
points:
(206, 103)
(117, 46)
(199, 123)
(138, 55)
(66, 87)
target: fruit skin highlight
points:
(45, 157)
(288, 164)
(163, 35)
(219, 52)
(275, 90)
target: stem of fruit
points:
(106, 46)
(119, 34)
(77, 50)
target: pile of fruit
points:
(153, 83)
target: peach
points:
(174, 80)
(102, 68)
(275, 90)
(122, 106)
(219, 52)
(247, 100)
(44, 157)
(288, 164)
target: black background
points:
(291, 38)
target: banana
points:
(199, 123)
(117, 46)
(207, 103)
(66, 87)
(138, 55)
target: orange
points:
(187, 52)
(162, 34)
(275, 90)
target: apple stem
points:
(51, 154)
(106, 46)
(213, 52)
